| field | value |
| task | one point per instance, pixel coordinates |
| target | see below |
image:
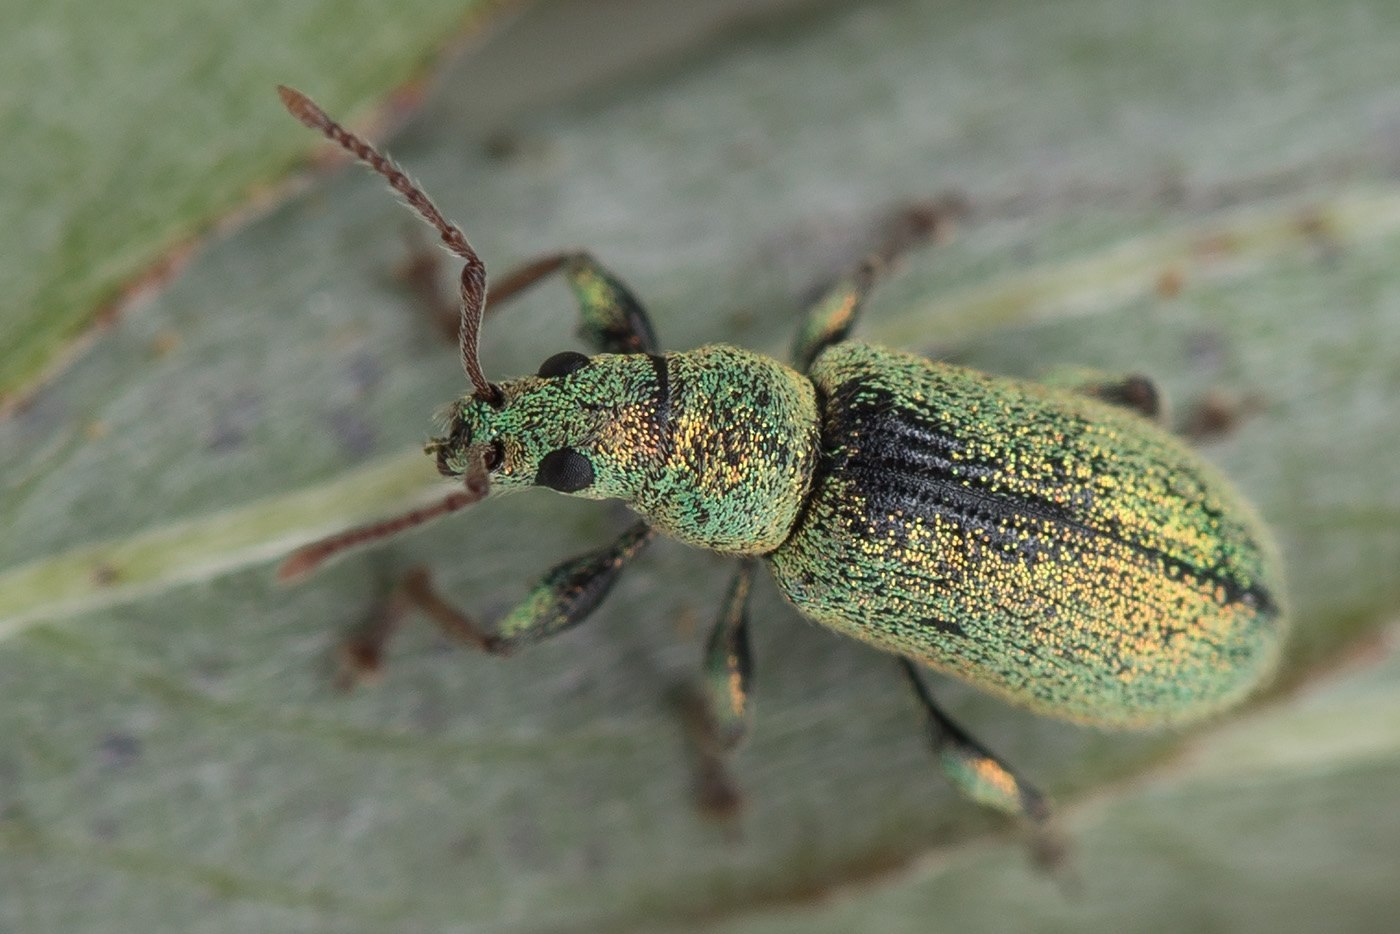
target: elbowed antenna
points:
(473, 288)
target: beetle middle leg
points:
(829, 320)
(563, 598)
(983, 777)
(716, 716)
(728, 667)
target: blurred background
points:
(207, 359)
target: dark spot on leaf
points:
(595, 855)
(466, 847)
(353, 434)
(525, 841)
(233, 420)
(1206, 349)
(118, 750)
(365, 372)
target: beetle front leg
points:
(611, 319)
(974, 771)
(564, 597)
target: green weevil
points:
(1049, 544)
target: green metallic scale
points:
(1050, 544)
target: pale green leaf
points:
(131, 126)
(1204, 191)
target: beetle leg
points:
(1133, 391)
(830, 319)
(728, 667)
(833, 315)
(974, 771)
(564, 597)
(611, 318)
(716, 713)
(420, 273)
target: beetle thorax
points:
(715, 447)
(739, 449)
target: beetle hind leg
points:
(983, 777)
(1131, 391)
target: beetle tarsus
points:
(974, 771)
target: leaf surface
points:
(1201, 191)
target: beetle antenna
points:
(473, 288)
(309, 557)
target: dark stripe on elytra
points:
(661, 410)
(904, 465)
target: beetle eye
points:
(565, 470)
(563, 363)
(495, 455)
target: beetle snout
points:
(439, 448)
(459, 436)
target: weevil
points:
(1049, 543)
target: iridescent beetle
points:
(1050, 545)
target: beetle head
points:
(564, 428)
